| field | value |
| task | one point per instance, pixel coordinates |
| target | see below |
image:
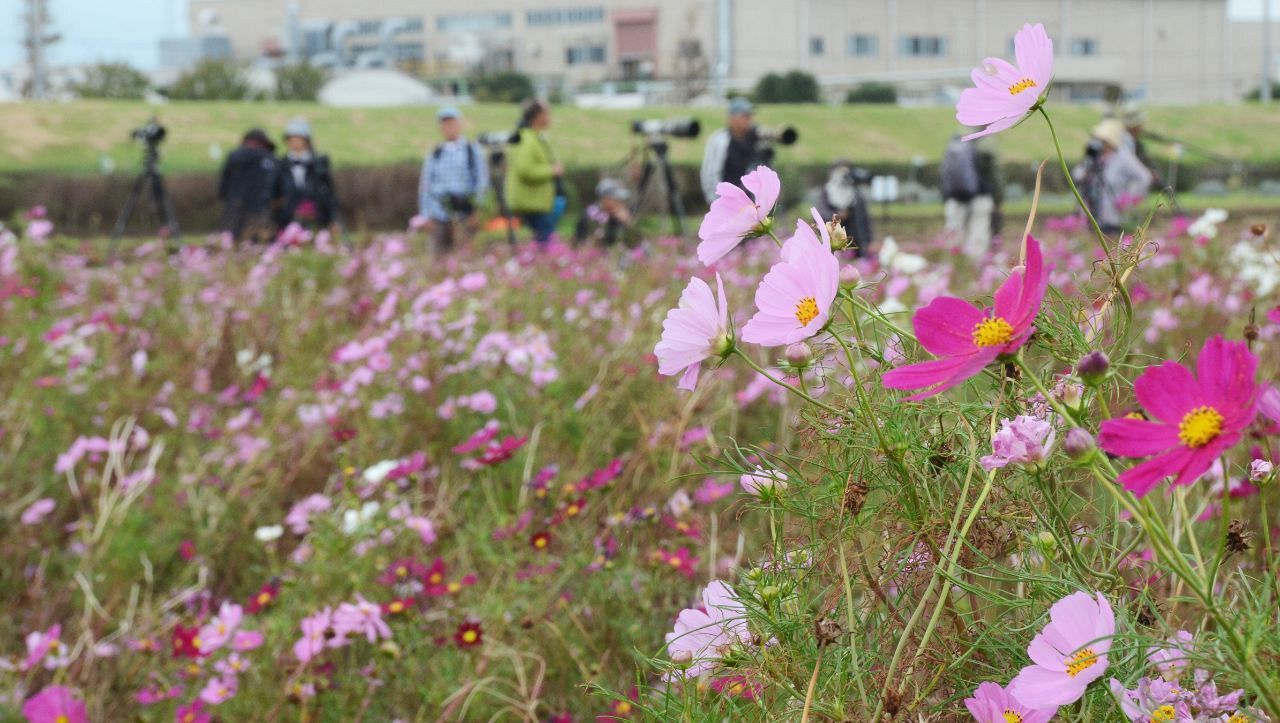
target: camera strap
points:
(472, 174)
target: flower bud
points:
(1258, 229)
(839, 237)
(1079, 444)
(1260, 470)
(799, 355)
(770, 592)
(1093, 367)
(849, 275)
(1251, 332)
(723, 345)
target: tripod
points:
(497, 172)
(150, 176)
(653, 155)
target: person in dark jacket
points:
(304, 190)
(842, 200)
(608, 220)
(245, 187)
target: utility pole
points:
(1265, 90)
(36, 39)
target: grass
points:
(75, 137)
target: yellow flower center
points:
(1012, 717)
(992, 332)
(189, 718)
(62, 719)
(264, 598)
(540, 543)
(454, 586)
(674, 561)
(1200, 426)
(402, 571)
(469, 636)
(622, 708)
(1021, 85)
(1239, 718)
(806, 310)
(1081, 662)
(1163, 713)
(434, 578)
(396, 606)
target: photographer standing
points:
(733, 151)
(971, 193)
(534, 186)
(303, 185)
(1112, 177)
(245, 186)
(454, 178)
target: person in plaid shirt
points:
(455, 176)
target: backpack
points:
(958, 172)
(471, 159)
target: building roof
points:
(375, 87)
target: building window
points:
(817, 45)
(564, 16)
(584, 54)
(408, 52)
(472, 22)
(1084, 46)
(922, 46)
(862, 46)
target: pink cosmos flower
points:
(423, 526)
(219, 631)
(219, 690)
(46, 647)
(763, 481)
(247, 640)
(1004, 94)
(314, 630)
(697, 329)
(361, 617)
(703, 635)
(1172, 657)
(1023, 440)
(36, 513)
(794, 299)
(1195, 418)
(192, 712)
(968, 339)
(992, 704)
(55, 704)
(1069, 654)
(734, 216)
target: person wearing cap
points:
(733, 151)
(1111, 176)
(455, 175)
(304, 190)
(244, 187)
(605, 221)
(534, 184)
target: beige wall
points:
(1182, 49)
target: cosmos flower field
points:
(747, 478)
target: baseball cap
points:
(448, 112)
(740, 106)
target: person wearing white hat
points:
(1112, 178)
(455, 176)
(304, 190)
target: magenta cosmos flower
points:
(1194, 418)
(992, 704)
(735, 216)
(794, 299)
(967, 338)
(1069, 654)
(1004, 94)
(696, 330)
(55, 704)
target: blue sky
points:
(96, 30)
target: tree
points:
(301, 81)
(114, 81)
(505, 87)
(796, 86)
(872, 93)
(211, 80)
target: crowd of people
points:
(263, 193)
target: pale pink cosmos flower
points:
(761, 481)
(46, 647)
(735, 216)
(1024, 440)
(794, 299)
(220, 689)
(246, 640)
(1172, 657)
(1069, 654)
(422, 525)
(36, 513)
(992, 704)
(1004, 94)
(696, 330)
(703, 635)
(314, 629)
(219, 631)
(362, 618)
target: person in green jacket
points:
(533, 184)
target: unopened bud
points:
(849, 275)
(1093, 366)
(1258, 229)
(723, 345)
(1251, 332)
(1079, 444)
(1260, 470)
(839, 237)
(770, 592)
(799, 355)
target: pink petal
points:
(1137, 437)
(1167, 391)
(1034, 52)
(945, 326)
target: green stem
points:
(1066, 172)
(760, 370)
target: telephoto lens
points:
(674, 127)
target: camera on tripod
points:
(779, 135)
(497, 140)
(151, 134)
(1094, 150)
(674, 127)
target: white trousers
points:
(971, 224)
